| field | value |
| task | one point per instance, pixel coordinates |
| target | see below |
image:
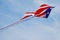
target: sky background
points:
(33, 29)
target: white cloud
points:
(32, 30)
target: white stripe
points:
(29, 14)
(44, 6)
(43, 11)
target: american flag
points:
(43, 11)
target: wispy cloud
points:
(34, 29)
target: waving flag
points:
(43, 11)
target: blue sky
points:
(33, 29)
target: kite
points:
(43, 11)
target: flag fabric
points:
(43, 11)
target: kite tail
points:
(27, 14)
(15, 23)
(25, 17)
(10, 25)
